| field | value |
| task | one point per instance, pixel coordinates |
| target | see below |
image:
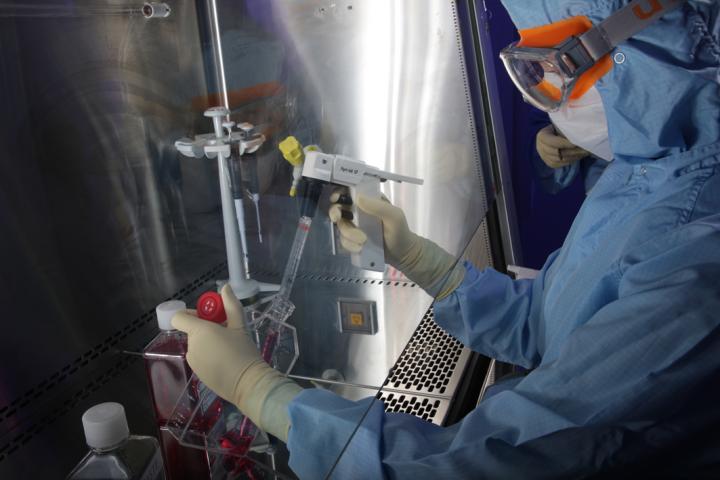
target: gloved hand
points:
(556, 150)
(229, 363)
(421, 260)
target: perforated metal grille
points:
(427, 373)
(430, 409)
(429, 362)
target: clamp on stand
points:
(220, 145)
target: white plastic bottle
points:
(114, 453)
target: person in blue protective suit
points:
(620, 330)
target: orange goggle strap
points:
(552, 35)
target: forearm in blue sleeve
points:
(618, 391)
(332, 437)
(495, 315)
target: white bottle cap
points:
(165, 312)
(105, 425)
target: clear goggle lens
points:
(538, 78)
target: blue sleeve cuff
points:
(448, 312)
(493, 314)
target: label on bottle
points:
(154, 470)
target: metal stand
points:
(218, 145)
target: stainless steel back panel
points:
(98, 221)
(385, 82)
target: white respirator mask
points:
(583, 122)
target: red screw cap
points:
(210, 307)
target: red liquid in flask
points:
(168, 375)
(167, 371)
(183, 463)
(237, 444)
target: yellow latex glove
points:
(228, 362)
(556, 150)
(420, 259)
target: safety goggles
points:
(556, 63)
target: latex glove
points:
(228, 362)
(420, 259)
(556, 150)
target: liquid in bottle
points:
(168, 374)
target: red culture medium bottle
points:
(168, 374)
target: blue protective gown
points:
(621, 328)
(553, 180)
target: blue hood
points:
(665, 97)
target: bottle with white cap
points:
(114, 453)
(167, 370)
(168, 374)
